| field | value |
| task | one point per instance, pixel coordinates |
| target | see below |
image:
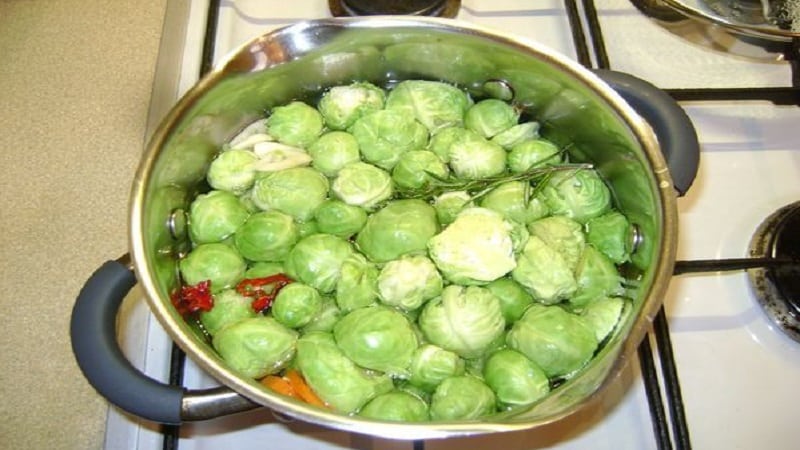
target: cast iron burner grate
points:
(777, 288)
(439, 8)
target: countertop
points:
(76, 80)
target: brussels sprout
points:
(218, 263)
(229, 307)
(513, 200)
(316, 260)
(409, 282)
(610, 233)
(215, 216)
(402, 227)
(416, 168)
(432, 364)
(473, 158)
(337, 380)
(533, 153)
(597, 278)
(563, 235)
(256, 347)
(462, 398)
(441, 142)
(341, 106)
(386, 134)
(296, 124)
(306, 228)
(517, 135)
(297, 192)
(326, 318)
(357, 286)
(475, 248)
(296, 305)
(581, 194)
(274, 156)
(490, 117)
(544, 272)
(362, 184)
(332, 151)
(603, 315)
(266, 236)
(377, 338)
(464, 320)
(450, 204)
(514, 300)
(515, 379)
(263, 269)
(339, 219)
(557, 341)
(232, 171)
(434, 104)
(396, 406)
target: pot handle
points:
(675, 131)
(94, 343)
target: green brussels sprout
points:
(229, 307)
(516, 135)
(450, 204)
(216, 262)
(339, 219)
(563, 235)
(464, 320)
(336, 379)
(306, 228)
(362, 184)
(432, 364)
(544, 272)
(514, 299)
(402, 227)
(603, 315)
(472, 157)
(232, 171)
(256, 347)
(409, 282)
(441, 142)
(475, 248)
(514, 201)
(296, 124)
(415, 169)
(597, 278)
(611, 234)
(264, 269)
(533, 153)
(435, 104)
(215, 216)
(316, 260)
(296, 305)
(557, 341)
(329, 313)
(581, 194)
(490, 117)
(266, 236)
(396, 406)
(358, 283)
(386, 134)
(332, 151)
(341, 106)
(515, 379)
(377, 338)
(297, 191)
(462, 398)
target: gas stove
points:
(717, 371)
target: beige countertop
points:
(76, 79)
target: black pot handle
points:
(94, 343)
(673, 128)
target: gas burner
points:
(778, 288)
(439, 8)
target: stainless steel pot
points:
(575, 106)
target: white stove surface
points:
(738, 373)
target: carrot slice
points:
(302, 388)
(280, 385)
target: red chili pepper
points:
(262, 290)
(190, 299)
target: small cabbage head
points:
(490, 117)
(557, 341)
(441, 142)
(386, 134)
(514, 200)
(435, 104)
(332, 151)
(297, 192)
(362, 184)
(339, 219)
(514, 299)
(432, 364)
(358, 283)
(341, 106)
(515, 379)
(218, 263)
(377, 338)
(578, 194)
(229, 307)
(544, 272)
(533, 153)
(215, 216)
(256, 347)
(476, 248)
(472, 157)
(409, 282)
(296, 305)
(611, 234)
(464, 320)
(561, 234)
(516, 135)
(232, 171)
(416, 169)
(402, 227)
(462, 398)
(603, 315)
(450, 204)
(296, 124)
(317, 260)
(396, 406)
(597, 278)
(266, 236)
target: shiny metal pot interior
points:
(574, 106)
